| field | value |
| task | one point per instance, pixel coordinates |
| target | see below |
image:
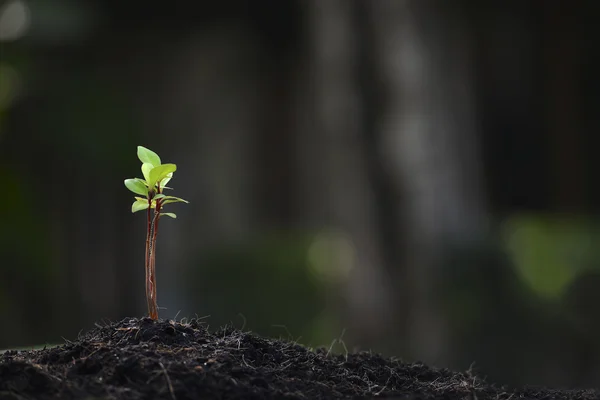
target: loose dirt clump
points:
(142, 359)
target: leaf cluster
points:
(156, 177)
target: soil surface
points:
(143, 359)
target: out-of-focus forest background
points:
(416, 177)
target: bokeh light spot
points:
(15, 19)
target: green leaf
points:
(141, 199)
(146, 168)
(172, 215)
(148, 156)
(136, 186)
(159, 196)
(139, 205)
(173, 199)
(159, 173)
(164, 182)
(142, 181)
(164, 203)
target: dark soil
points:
(142, 359)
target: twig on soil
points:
(246, 363)
(341, 342)
(384, 386)
(168, 380)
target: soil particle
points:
(142, 359)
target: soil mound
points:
(142, 359)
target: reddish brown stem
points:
(154, 314)
(150, 288)
(151, 257)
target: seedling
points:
(156, 177)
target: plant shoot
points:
(153, 200)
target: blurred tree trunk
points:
(428, 141)
(334, 180)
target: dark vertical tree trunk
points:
(337, 188)
(428, 141)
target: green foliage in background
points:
(267, 285)
(549, 252)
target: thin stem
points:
(147, 267)
(152, 266)
(151, 290)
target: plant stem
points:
(152, 266)
(150, 287)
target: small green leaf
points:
(142, 181)
(164, 182)
(172, 215)
(148, 156)
(159, 196)
(157, 174)
(164, 203)
(146, 168)
(141, 199)
(136, 186)
(139, 205)
(173, 199)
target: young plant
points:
(156, 177)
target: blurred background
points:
(412, 177)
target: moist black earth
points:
(145, 359)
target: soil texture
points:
(143, 359)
